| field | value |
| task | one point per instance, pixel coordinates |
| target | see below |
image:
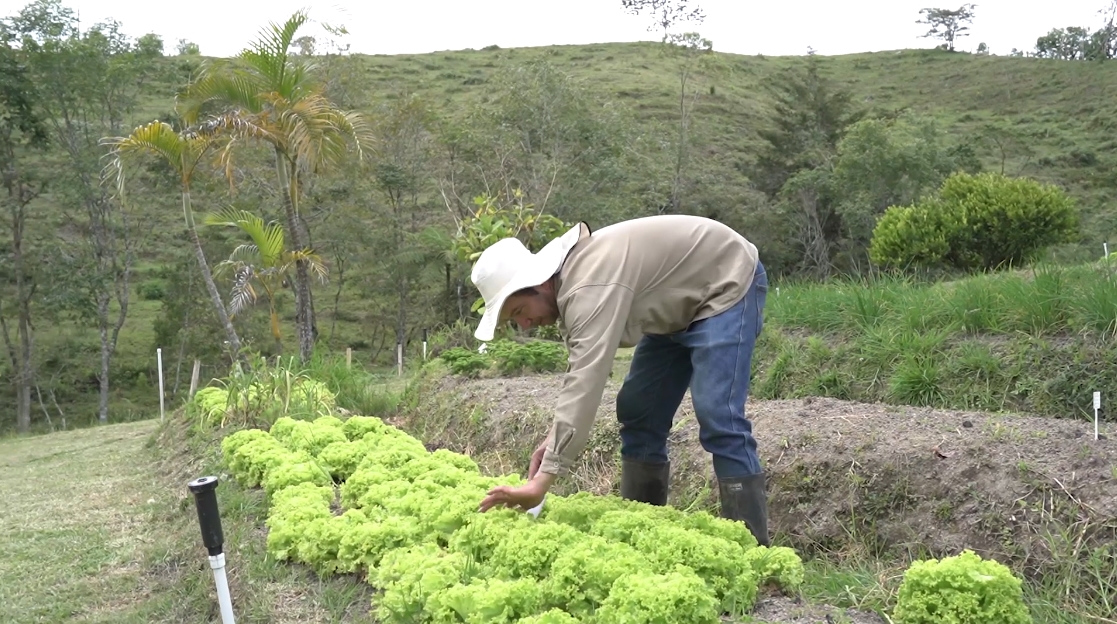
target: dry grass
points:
(97, 526)
(74, 525)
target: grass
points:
(1036, 340)
(116, 540)
(75, 526)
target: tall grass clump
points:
(1029, 339)
(259, 393)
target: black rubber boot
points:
(645, 481)
(744, 498)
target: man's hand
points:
(537, 459)
(523, 498)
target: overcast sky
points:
(223, 27)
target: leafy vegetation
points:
(963, 588)
(408, 521)
(982, 222)
(507, 357)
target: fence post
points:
(195, 377)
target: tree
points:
(187, 48)
(265, 262)
(150, 46)
(886, 162)
(184, 152)
(405, 149)
(541, 133)
(947, 24)
(690, 51)
(21, 127)
(665, 13)
(267, 94)
(798, 153)
(90, 83)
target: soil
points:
(899, 482)
(784, 610)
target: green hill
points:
(589, 132)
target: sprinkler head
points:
(202, 485)
(209, 518)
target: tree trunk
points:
(26, 373)
(207, 277)
(22, 370)
(304, 315)
(106, 357)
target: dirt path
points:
(73, 524)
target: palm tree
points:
(265, 262)
(184, 152)
(273, 98)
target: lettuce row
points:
(361, 496)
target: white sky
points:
(222, 28)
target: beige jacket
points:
(652, 275)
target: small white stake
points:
(159, 357)
(1097, 406)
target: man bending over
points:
(689, 293)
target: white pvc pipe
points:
(217, 563)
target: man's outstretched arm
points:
(595, 317)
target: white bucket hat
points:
(507, 266)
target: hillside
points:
(1054, 118)
(1058, 110)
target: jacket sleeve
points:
(595, 317)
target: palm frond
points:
(243, 293)
(267, 237)
(314, 262)
(269, 57)
(182, 151)
(316, 132)
(228, 90)
(246, 253)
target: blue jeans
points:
(713, 357)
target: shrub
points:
(508, 358)
(540, 356)
(152, 290)
(982, 221)
(964, 588)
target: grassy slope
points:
(1059, 109)
(116, 540)
(1036, 341)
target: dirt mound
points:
(904, 482)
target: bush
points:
(964, 588)
(508, 358)
(539, 356)
(152, 290)
(982, 221)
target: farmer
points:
(689, 293)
